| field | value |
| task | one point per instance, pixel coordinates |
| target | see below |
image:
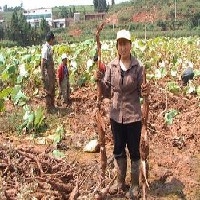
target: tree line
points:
(21, 31)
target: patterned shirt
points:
(125, 89)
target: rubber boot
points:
(121, 168)
(134, 188)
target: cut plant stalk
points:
(144, 145)
(99, 118)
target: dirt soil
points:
(29, 170)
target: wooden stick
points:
(144, 145)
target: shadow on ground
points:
(173, 187)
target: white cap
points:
(64, 56)
(124, 34)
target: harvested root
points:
(103, 193)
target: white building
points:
(76, 17)
(34, 16)
(60, 23)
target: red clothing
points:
(102, 67)
(61, 72)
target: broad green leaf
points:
(2, 60)
(9, 73)
(22, 70)
(58, 135)
(170, 115)
(26, 58)
(5, 76)
(11, 69)
(39, 117)
(190, 88)
(160, 73)
(19, 98)
(60, 130)
(173, 87)
(31, 118)
(174, 72)
(58, 154)
(5, 92)
(197, 72)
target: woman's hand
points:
(98, 75)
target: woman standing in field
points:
(123, 78)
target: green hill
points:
(146, 18)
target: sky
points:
(31, 4)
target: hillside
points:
(168, 18)
(158, 18)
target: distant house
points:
(77, 17)
(60, 23)
(96, 16)
(34, 16)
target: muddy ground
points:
(30, 171)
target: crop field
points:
(42, 155)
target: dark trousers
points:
(49, 86)
(126, 135)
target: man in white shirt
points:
(48, 72)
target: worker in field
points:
(63, 80)
(123, 77)
(48, 72)
(188, 74)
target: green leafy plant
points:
(33, 120)
(163, 57)
(58, 154)
(173, 87)
(58, 135)
(170, 115)
(160, 73)
(18, 97)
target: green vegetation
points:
(162, 56)
(19, 31)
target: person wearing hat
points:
(48, 72)
(123, 77)
(63, 80)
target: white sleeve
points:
(44, 52)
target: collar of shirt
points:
(123, 67)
